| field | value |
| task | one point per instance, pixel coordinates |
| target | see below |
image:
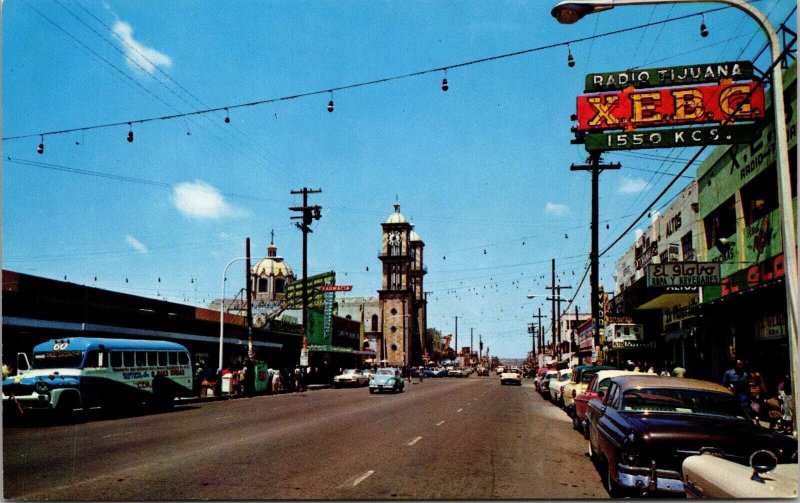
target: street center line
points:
(440, 423)
(414, 441)
(363, 478)
(117, 434)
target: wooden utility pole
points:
(539, 335)
(308, 214)
(595, 167)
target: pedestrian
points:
(738, 381)
(787, 402)
(758, 393)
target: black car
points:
(642, 429)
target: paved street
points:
(442, 439)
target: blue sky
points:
(482, 170)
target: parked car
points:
(646, 425)
(537, 380)
(368, 373)
(578, 381)
(511, 376)
(500, 369)
(483, 371)
(544, 387)
(387, 379)
(350, 377)
(599, 381)
(557, 386)
(709, 476)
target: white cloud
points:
(139, 57)
(198, 199)
(556, 209)
(135, 244)
(632, 186)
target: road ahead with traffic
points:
(468, 438)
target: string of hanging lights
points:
(445, 83)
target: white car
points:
(511, 376)
(350, 377)
(708, 476)
(557, 386)
(500, 369)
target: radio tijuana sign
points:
(671, 138)
(630, 108)
(669, 76)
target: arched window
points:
(263, 285)
(280, 285)
(374, 322)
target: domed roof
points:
(272, 265)
(396, 217)
(414, 236)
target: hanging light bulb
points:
(703, 29)
(570, 59)
(227, 117)
(330, 103)
(130, 133)
(40, 149)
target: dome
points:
(414, 236)
(396, 217)
(272, 265)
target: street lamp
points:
(222, 308)
(570, 11)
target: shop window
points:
(720, 223)
(374, 322)
(760, 196)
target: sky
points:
(482, 170)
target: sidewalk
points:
(227, 396)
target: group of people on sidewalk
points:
(751, 390)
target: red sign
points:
(629, 109)
(337, 288)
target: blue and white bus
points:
(85, 372)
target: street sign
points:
(629, 109)
(672, 138)
(669, 76)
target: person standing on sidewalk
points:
(738, 380)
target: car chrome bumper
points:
(650, 479)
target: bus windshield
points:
(57, 359)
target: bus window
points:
(162, 359)
(183, 358)
(141, 358)
(129, 359)
(96, 359)
(116, 359)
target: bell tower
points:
(396, 295)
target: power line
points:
(343, 87)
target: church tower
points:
(401, 296)
(395, 296)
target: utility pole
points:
(456, 332)
(250, 352)
(595, 167)
(556, 302)
(539, 333)
(308, 214)
(470, 342)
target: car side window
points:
(612, 399)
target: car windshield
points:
(682, 401)
(586, 376)
(603, 386)
(564, 377)
(349, 371)
(385, 372)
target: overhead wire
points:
(383, 80)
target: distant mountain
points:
(514, 362)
